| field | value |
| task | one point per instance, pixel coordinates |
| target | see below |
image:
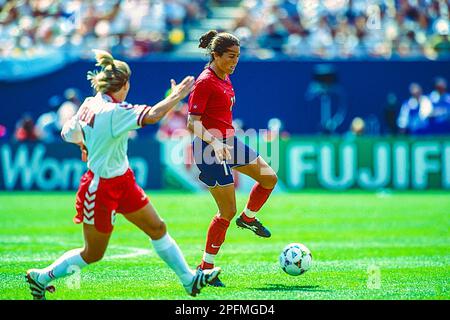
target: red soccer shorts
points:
(99, 199)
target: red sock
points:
(258, 196)
(214, 239)
(247, 219)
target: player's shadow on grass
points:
(282, 287)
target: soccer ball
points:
(295, 259)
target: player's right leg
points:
(226, 202)
(148, 220)
(70, 262)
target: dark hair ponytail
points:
(218, 42)
(206, 38)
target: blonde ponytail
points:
(103, 58)
(114, 74)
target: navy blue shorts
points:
(213, 173)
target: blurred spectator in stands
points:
(175, 13)
(272, 38)
(26, 130)
(297, 45)
(47, 124)
(409, 46)
(439, 94)
(442, 47)
(441, 42)
(440, 98)
(415, 112)
(391, 110)
(3, 132)
(357, 128)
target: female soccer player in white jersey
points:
(101, 128)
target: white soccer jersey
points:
(103, 126)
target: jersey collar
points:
(212, 70)
(110, 98)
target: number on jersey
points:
(86, 115)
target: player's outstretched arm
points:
(179, 92)
(72, 132)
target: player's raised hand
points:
(182, 89)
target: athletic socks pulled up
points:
(168, 250)
(258, 196)
(216, 236)
(69, 263)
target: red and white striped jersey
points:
(102, 125)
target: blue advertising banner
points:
(58, 166)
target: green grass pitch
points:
(401, 239)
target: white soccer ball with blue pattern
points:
(295, 259)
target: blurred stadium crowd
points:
(307, 28)
(132, 28)
(347, 28)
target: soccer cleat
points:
(37, 289)
(214, 283)
(217, 283)
(201, 279)
(256, 226)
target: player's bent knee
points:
(269, 181)
(273, 180)
(228, 214)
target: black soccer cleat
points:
(201, 279)
(256, 226)
(214, 282)
(217, 283)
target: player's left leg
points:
(69, 263)
(266, 179)
(148, 220)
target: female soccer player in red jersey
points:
(101, 128)
(217, 150)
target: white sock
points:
(249, 213)
(209, 258)
(168, 250)
(69, 263)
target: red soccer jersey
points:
(213, 99)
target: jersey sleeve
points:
(71, 131)
(127, 117)
(199, 98)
